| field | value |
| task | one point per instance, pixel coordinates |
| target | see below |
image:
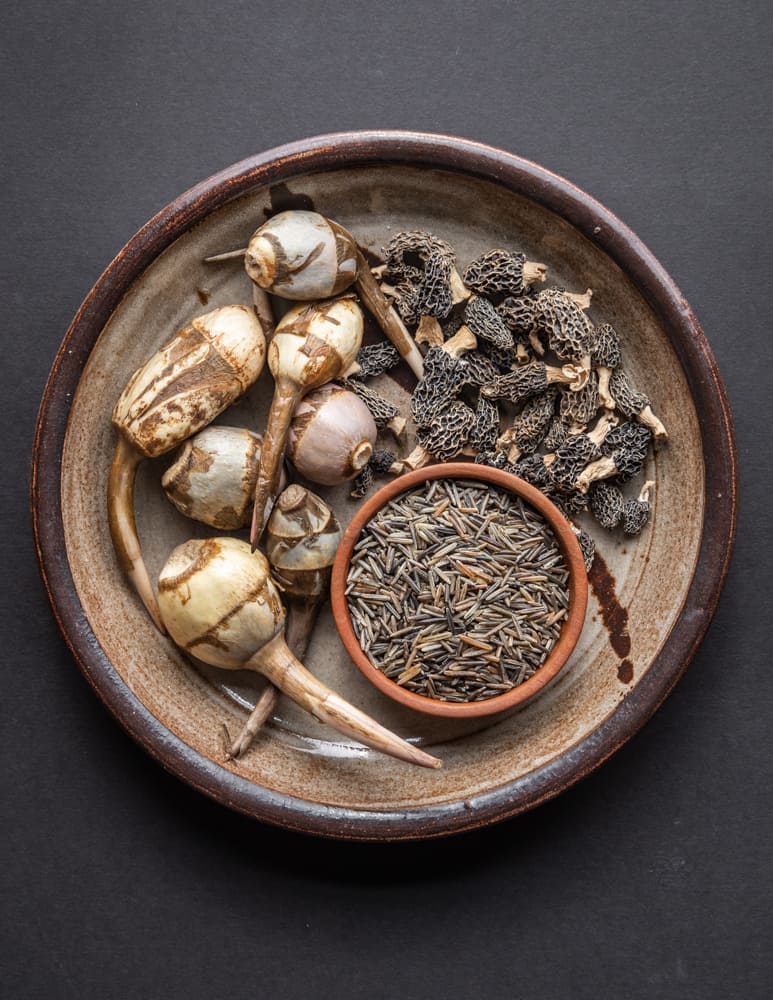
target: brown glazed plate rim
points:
(597, 224)
(570, 549)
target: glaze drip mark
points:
(284, 200)
(613, 614)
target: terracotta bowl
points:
(651, 598)
(570, 631)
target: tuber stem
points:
(276, 662)
(286, 396)
(263, 708)
(123, 529)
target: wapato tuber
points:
(219, 604)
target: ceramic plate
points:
(651, 597)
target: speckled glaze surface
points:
(651, 598)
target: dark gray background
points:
(653, 877)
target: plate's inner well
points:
(638, 585)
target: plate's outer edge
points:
(598, 225)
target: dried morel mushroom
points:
(564, 325)
(587, 546)
(634, 405)
(485, 431)
(636, 512)
(486, 323)
(496, 459)
(606, 503)
(421, 265)
(479, 369)
(443, 377)
(385, 414)
(576, 453)
(605, 357)
(362, 483)
(532, 469)
(577, 409)
(381, 461)
(624, 452)
(375, 359)
(442, 440)
(556, 435)
(519, 316)
(530, 426)
(503, 272)
(529, 380)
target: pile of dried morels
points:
(518, 377)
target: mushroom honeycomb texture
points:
(567, 329)
(580, 407)
(486, 323)
(605, 347)
(519, 316)
(449, 431)
(362, 483)
(443, 379)
(627, 446)
(484, 433)
(381, 460)
(518, 385)
(636, 513)
(423, 290)
(496, 459)
(606, 503)
(628, 401)
(375, 359)
(380, 408)
(556, 435)
(504, 358)
(587, 547)
(570, 459)
(533, 470)
(531, 424)
(496, 272)
(479, 369)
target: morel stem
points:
(276, 662)
(123, 529)
(387, 318)
(301, 616)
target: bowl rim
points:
(571, 627)
(602, 228)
